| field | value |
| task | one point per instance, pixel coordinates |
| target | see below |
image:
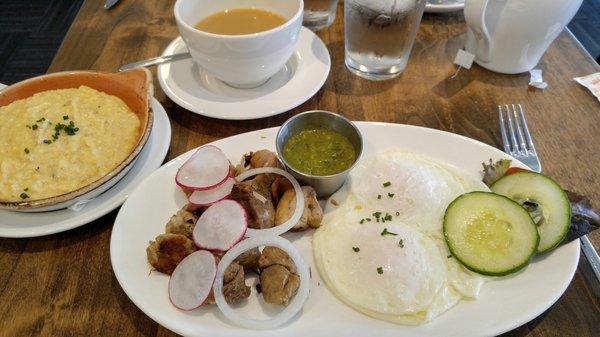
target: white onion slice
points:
(207, 168)
(221, 226)
(286, 226)
(288, 312)
(208, 197)
(192, 280)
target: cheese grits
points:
(58, 141)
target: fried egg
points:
(381, 249)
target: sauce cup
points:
(319, 119)
(242, 61)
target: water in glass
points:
(379, 35)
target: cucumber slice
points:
(489, 233)
(547, 203)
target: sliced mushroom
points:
(311, 216)
(167, 250)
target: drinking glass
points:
(379, 35)
(319, 14)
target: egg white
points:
(420, 279)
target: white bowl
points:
(242, 61)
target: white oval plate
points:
(25, 225)
(195, 90)
(444, 6)
(504, 303)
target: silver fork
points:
(518, 143)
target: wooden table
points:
(63, 284)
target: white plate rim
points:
(159, 151)
(496, 329)
(257, 107)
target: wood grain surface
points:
(63, 284)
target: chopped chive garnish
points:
(28, 126)
(362, 221)
(378, 196)
(449, 256)
(379, 270)
(387, 217)
(387, 184)
(34, 127)
(368, 219)
(26, 189)
(386, 232)
(65, 117)
(397, 213)
(47, 141)
(391, 195)
(356, 249)
(41, 120)
(377, 214)
(26, 150)
(24, 195)
(401, 243)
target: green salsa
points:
(319, 152)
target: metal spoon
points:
(155, 61)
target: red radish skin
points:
(206, 198)
(207, 168)
(513, 169)
(210, 226)
(175, 290)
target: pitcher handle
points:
(475, 17)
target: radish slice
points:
(288, 312)
(192, 280)
(286, 226)
(204, 198)
(221, 226)
(205, 169)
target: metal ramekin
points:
(318, 119)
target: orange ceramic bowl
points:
(134, 87)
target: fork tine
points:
(520, 137)
(503, 130)
(526, 128)
(511, 131)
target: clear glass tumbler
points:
(379, 35)
(319, 14)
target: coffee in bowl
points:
(243, 59)
(240, 21)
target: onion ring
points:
(286, 226)
(288, 312)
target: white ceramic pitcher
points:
(510, 36)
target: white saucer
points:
(24, 225)
(194, 89)
(444, 6)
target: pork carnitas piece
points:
(255, 197)
(311, 216)
(278, 276)
(167, 250)
(234, 286)
(249, 260)
(182, 222)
